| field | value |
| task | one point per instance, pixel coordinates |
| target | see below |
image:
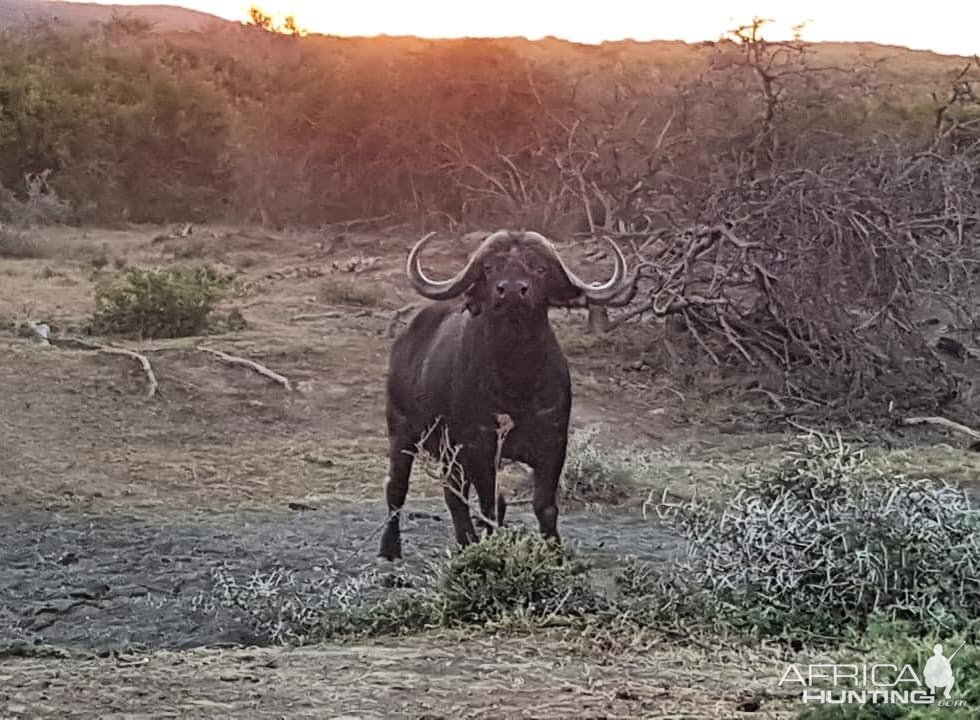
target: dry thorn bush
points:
(825, 544)
(778, 227)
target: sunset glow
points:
(946, 26)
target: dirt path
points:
(425, 679)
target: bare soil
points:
(115, 509)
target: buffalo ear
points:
(564, 294)
(473, 298)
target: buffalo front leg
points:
(545, 496)
(492, 504)
(456, 489)
(396, 489)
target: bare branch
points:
(251, 365)
(943, 422)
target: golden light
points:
(282, 23)
(946, 27)
(514, 18)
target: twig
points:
(144, 362)
(943, 422)
(350, 224)
(314, 316)
(153, 387)
(251, 364)
(451, 476)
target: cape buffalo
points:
(483, 351)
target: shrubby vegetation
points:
(167, 302)
(248, 124)
(511, 579)
(825, 544)
(826, 547)
(16, 243)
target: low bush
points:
(821, 546)
(511, 573)
(158, 302)
(38, 205)
(512, 578)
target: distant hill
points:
(163, 18)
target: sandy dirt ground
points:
(116, 510)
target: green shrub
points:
(511, 573)
(158, 302)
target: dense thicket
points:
(249, 125)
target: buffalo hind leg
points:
(400, 461)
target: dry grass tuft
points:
(16, 244)
(350, 292)
(598, 474)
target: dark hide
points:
(460, 363)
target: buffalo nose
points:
(509, 287)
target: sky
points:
(945, 26)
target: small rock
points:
(750, 705)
